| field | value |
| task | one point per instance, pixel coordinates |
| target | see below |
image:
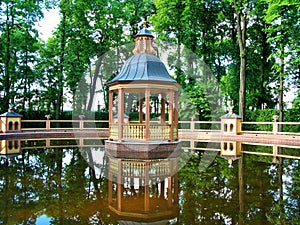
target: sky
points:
(48, 24)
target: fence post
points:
(48, 122)
(81, 117)
(192, 144)
(275, 124)
(275, 153)
(192, 124)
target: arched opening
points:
(225, 146)
(16, 144)
(231, 146)
(16, 126)
(10, 145)
(231, 127)
(10, 125)
(225, 127)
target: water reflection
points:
(10, 147)
(143, 190)
(231, 150)
(56, 184)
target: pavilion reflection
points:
(10, 149)
(231, 150)
(143, 190)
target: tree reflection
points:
(59, 183)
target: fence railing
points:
(200, 125)
(288, 128)
(137, 131)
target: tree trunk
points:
(94, 82)
(7, 61)
(281, 83)
(61, 68)
(242, 205)
(242, 93)
(241, 30)
(264, 58)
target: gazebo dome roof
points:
(144, 32)
(143, 67)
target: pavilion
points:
(145, 77)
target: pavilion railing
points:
(138, 132)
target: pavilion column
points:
(163, 108)
(171, 114)
(120, 113)
(170, 184)
(176, 115)
(170, 191)
(147, 116)
(175, 187)
(119, 186)
(162, 189)
(141, 109)
(110, 107)
(147, 189)
(110, 111)
(110, 189)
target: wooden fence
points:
(288, 128)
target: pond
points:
(67, 184)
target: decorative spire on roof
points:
(145, 24)
(144, 41)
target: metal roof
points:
(144, 32)
(11, 114)
(231, 115)
(143, 67)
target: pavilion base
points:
(143, 149)
(146, 218)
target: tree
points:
(19, 40)
(241, 14)
(282, 16)
(186, 23)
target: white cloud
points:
(48, 24)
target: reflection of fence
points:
(261, 149)
(136, 131)
(63, 124)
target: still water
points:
(67, 184)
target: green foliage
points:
(38, 76)
(19, 45)
(265, 115)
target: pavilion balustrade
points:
(135, 169)
(138, 131)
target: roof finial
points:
(143, 41)
(145, 23)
